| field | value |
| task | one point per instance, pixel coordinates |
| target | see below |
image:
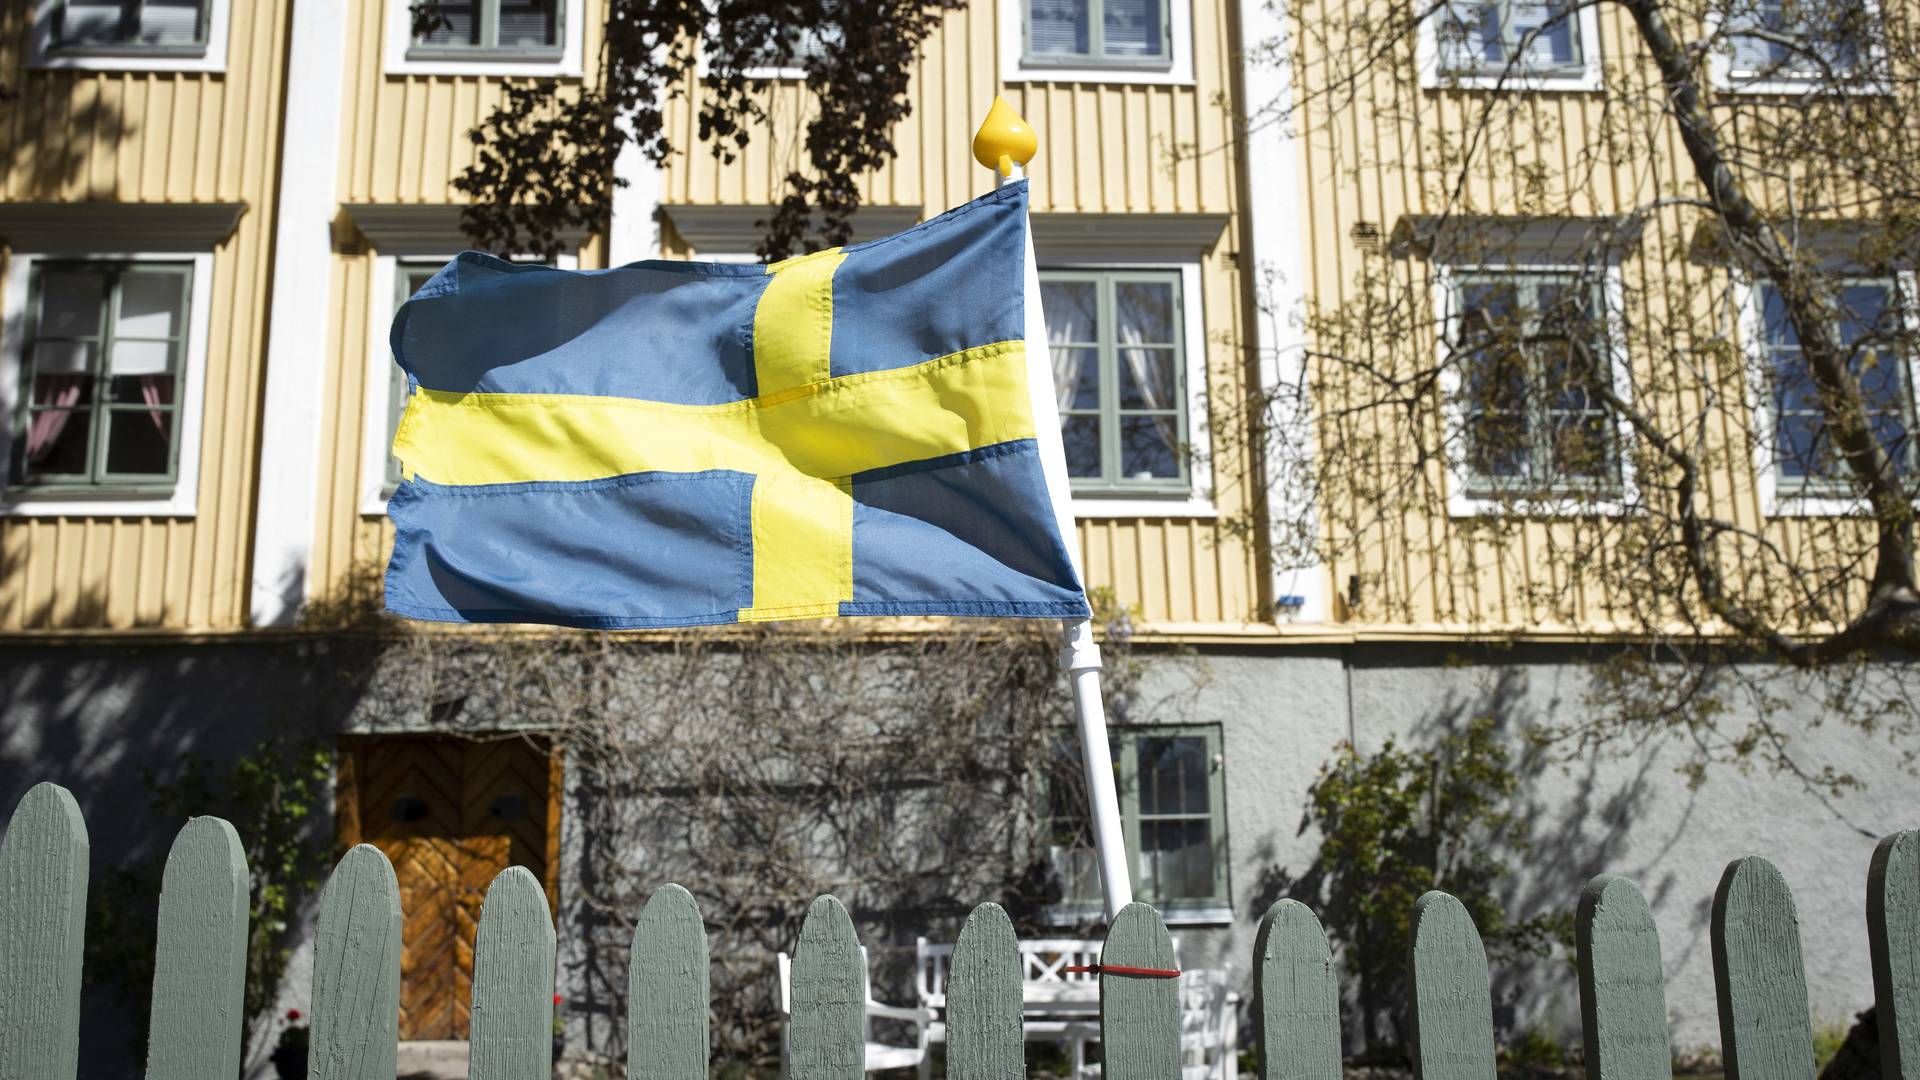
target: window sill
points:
(1563, 505)
(1098, 505)
(481, 62)
(26, 502)
(1583, 81)
(1816, 504)
(192, 60)
(1089, 71)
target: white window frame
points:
(1198, 501)
(180, 502)
(1723, 78)
(1462, 500)
(1752, 319)
(376, 394)
(44, 56)
(1590, 78)
(399, 41)
(1015, 68)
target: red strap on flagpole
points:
(1122, 969)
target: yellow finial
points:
(1004, 139)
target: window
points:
(395, 278)
(1798, 39)
(1097, 31)
(523, 28)
(1119, 367)
(1173, 813)
(1494, 37)
(407, 279)
(1804, 461)
(157, 26)
(104, 349)
(787, 58)
(1532, 350)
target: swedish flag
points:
(678, 443)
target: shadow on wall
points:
(1546, 826)
(109, 721)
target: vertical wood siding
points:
(78, 136)
(1375, 157)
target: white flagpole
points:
(1005, 143)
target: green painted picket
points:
(199, 970)
(200, 958)
(1623, 1004)
(512, 1016)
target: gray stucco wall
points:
(1629, 813)
(95, 717)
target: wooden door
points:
(449, 814)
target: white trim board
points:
(42, 56)
(397, 40)
(1014, 67)
(1276, 258)
(287, 483)
(184, 500)
(377, 379)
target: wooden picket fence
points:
(200, 963)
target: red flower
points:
(557, 999)
(293, 1014)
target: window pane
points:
(57, 441)
(1801, 449)
(1082, 436)
(1775, 327)
(167, 23)
(1173, 774)
(1149, 448)
(71, 302)
(141, 358)
(141, 390)
(63, 356)
(1469, 36)
(1133, 28)
(1830, 33)
(1143, 312)
(529, 24)
(139, 441)
(1542, 35)
(459, 24)
(1149, 379)
(1582, 447)
(152, 305)
(1058, 27)
(1071, 310)
(397, 390)
(1076, 377)
(1176, 860)
(94, 22)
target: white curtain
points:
(1067, 322)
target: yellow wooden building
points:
(271, 491)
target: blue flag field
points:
(669, 443)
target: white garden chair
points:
(879, 1055)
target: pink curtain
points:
(60, 391)
(157, 390)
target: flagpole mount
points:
(1005, 143)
